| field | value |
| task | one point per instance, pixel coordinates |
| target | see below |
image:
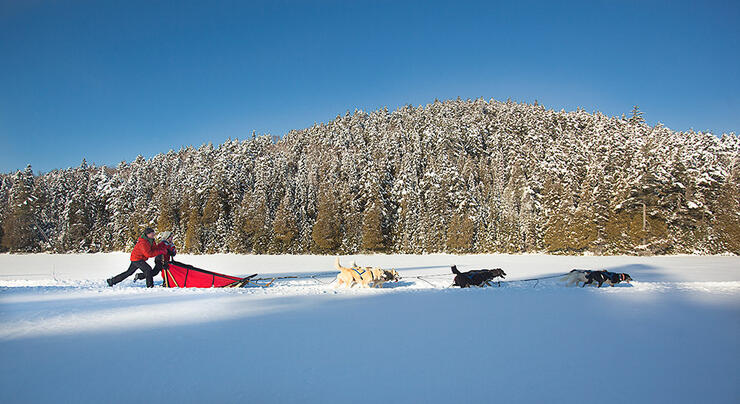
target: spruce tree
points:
(18, 227)
(168, 215)
(253, 224)
(636, 116)
(326, 233)
(728, 211)
(284, 226)
(193, 232)
(373, 238)
(460, 234)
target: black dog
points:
(478, 277)
(601, 277)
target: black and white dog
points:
(478, 277)
(588, 277)
(601, 277)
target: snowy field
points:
(671, 336)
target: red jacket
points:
(169, 250)
(145, 249)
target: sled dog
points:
(364, 277)
(478, 277)
(345, 276)
(602, 277)
(574, 277)
(386, 275)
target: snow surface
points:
(671, 336)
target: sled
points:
(180, 275)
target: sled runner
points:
(179, 275)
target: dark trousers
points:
(143, 266)
(158, 265)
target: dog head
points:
(391, 275)
(625, 278)
(493, 273)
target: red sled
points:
(179, 275)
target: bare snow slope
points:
(672, 336)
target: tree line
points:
(459, 176)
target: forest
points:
(459, 176)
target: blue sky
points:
(109, 80)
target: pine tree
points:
(77, 235)
(326, 232)
(373, 238)
(193, 232)
(460, 234)
(636, 116)
(558, 217)
(18, 226)
(728, 211)
(212, 214)
(253, 224)
(284, 226)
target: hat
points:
(148, 230)
(164, 235)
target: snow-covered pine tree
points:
(19, 229)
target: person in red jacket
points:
(143, 250)
(161, 261)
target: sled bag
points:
(179, 275)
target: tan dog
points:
(354, 275)
(345, 276)
(365, 277)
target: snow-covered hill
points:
(671, 336)
(458, 176)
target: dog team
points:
(367, 277)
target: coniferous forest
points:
(457, 176)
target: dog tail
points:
(454, 270)
(337, 265)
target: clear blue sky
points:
(109, 80)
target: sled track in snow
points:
(310, 286)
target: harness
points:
(358, 272)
